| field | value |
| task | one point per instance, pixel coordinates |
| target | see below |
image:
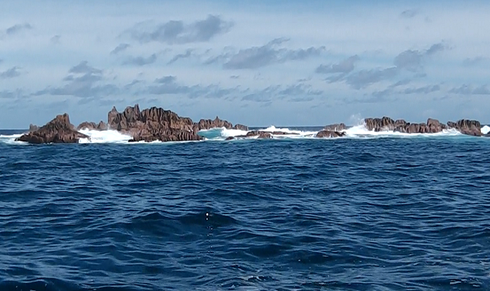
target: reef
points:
(158, 124)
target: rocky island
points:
(158, 124)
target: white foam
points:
(290, 133)
(104, 136)
(232, 132)
(485, 129)
(360, 131)
(10, 139)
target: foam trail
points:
(104, 136)
(291, 133)
(485, 129)
(10, 139)
(360, 131)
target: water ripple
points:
(383, 214)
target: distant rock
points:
(240, 127)
(92, 126)
(33, 127)
(265, 135)
(380, 124)
(216, 123)
(58, 130)
(435, 126)
(152, 124)
(468, 127)
(330, 133)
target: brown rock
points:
(329, 133)
(152, 124)
(265, 135)
(469, 127)
(451, 124)
(240, 127)
(380, 124)
(434, 125)
(58, 130)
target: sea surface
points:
(369, 211)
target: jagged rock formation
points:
(58, 130)
(152, 124)
(469, 127)
(159, 124)
(92, 126)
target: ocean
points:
(368, 211)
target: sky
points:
(253, 62)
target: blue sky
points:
(256, 62)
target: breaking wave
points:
(105, 136)
(485, 129)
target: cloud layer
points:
(256, 63)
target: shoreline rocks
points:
(158, 124)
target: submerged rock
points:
(58, 130)
(265, 135)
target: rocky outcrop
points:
(58, 130)
(158, 124)
(469, 127)
(330, 133)
(465, 126)
(152, 124)
(92, 126)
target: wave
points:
(485, 129)
(10, 139)
(105, 136)
(221, 134)
(360, 131)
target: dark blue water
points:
(305, 214)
